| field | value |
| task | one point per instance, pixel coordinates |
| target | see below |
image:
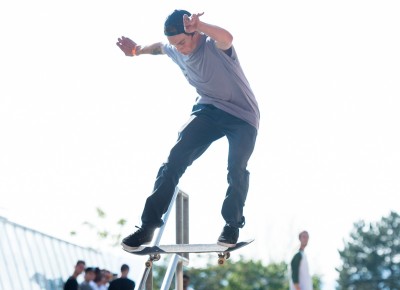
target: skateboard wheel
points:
(148, 264)
(156, 257)
(221, 261)
(227, 255)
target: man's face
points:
(185, 282)
(90, 275)
(304, 239)
(80, 268)
(184, 43)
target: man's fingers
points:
(126, 45)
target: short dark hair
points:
(89, 269)
(302, 232)
(124, 267)
(80, 262)
(174, 23)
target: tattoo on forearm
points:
(156, 50)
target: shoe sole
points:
(131, 249)
(226, 244)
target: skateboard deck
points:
(187, 248)
(155, 251)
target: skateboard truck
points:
(222, 257)
(152, 257)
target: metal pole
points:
(181, 200)
(182, 234)
(147, 277)
(142, 283)
(149, 280)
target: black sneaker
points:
(142, 236)
(229, 236)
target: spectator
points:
(123, 282)
(72, 283)
(100, 280)
(108, 276)
(186, 282)
(88, 279)
(300, 278)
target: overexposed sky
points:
(82, 126)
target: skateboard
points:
(155, 252)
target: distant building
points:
(31, 260)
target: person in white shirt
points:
(300, 276)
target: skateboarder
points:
(225, 107)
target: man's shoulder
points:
(121, 281)
(297, 256)
(70, 283)
(71, 278)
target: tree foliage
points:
(241, 275)
(371, 257)
(110, 235)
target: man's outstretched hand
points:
(127, 45)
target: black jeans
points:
(204, 127)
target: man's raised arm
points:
(223, 38)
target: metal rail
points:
(175, 267)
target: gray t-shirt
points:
(218, 78)
(85, 286)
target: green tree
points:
(316, 281)
(371, 257)
(112, 236)
(241, 275)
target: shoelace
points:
(138, 231)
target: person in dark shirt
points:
(123, 282)
(72, 283)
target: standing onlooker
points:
(123, 282)
(300, 278)
(87, 279)
(186, 282)
(72, 283)
(100, 280)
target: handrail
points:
(165, 218)
(174, 263)
(182, 237)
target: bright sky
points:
(82, 126)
